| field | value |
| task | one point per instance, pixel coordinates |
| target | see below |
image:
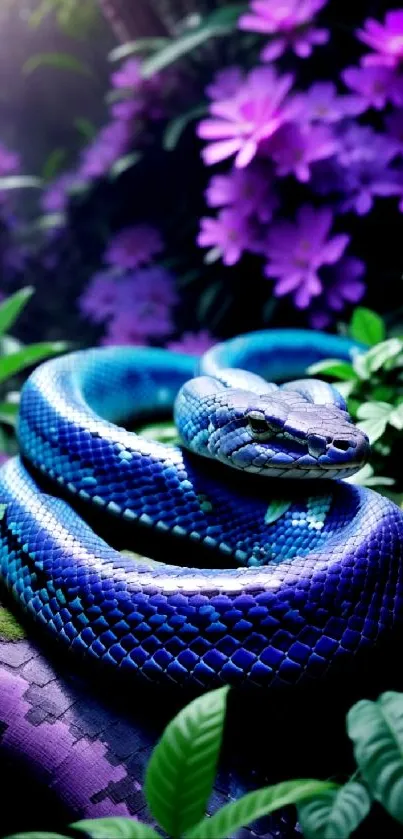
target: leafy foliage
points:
(181, 772)
(373, 386)
(15, 358)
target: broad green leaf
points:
(177, 126)
(333, 367)
(12, 306)
(367, 327)
(377, 357)
(373, 428)
(276, 509)
(38, 834)
(182, 768)
(366, 477)
(53, 164)
(396, 417)
(138, 46)
(10, 365)
(254, 805)
(58, 60)
(220, 22)
(374, 410)
(336, 813)
(116, 827)
(8, 413)
(10, 182)
(376, 729)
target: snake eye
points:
(259, 425)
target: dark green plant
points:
(182, 768)
(14, 359)
(373, 386)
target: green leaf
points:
(177, 126)
(12, 364)
(367, 327)
(12, 306)
(182, 768)
(376, 729)
(366, 477)
(53, 164)
(333, 367)
(117, 827)
(254, 805)
(336, 813)
(396, 417)
(373, 428)
(136, 47)
(374, 410)
(58, 60)
(124, 163)
(377, 357)
(207, 299)
(38, 834)
(375, 417)
(276, 509)
(9, 413)
(85, 127)
(220, 22)
(10, 182)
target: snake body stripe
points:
(292, 595)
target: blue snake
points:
(256, 577)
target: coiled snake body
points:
(293, 576)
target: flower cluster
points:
(131, 297)
(275, 131)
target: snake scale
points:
(255, 579)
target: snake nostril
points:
(342, 445)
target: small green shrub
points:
(373, 387)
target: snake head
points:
(279, 436)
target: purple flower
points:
(361, 142)
(127, 109)
(153, 283)
(366, 180)
(133, 246)
(342, 286)
(249, 191)
(295, 147)
(226, 83)
(9, 161)
(241, 123)
(375, 86)
(297, 250)
(193, 343)
(111, 143)
(289, 24)
(99, 300)
(322, 103)
(140, 321)
(228, 235)
(56, 196)
(385, 39)
(362, 170)
(129, 76)
(394, 127)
